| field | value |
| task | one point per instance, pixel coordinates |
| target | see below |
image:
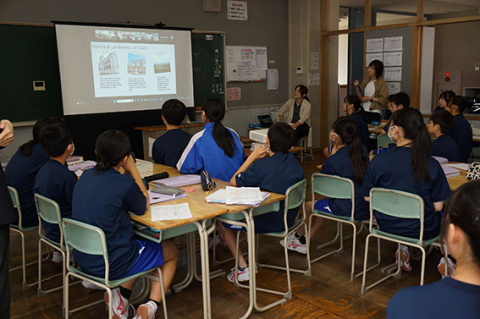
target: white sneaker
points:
(294, 244)
(146, 311)
(57, 257)
(242, 275)
(451, 267)
(217, 239)
(89, 285)
(404, 258)
(120, 304)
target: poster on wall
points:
(369, 57)
(237, 10)
(394, 87)
(393, 74)
(393, 44)
(245, 63)
(392, 58)
(375, 45)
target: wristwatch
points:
(371, 100)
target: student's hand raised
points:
(259, 152)
(6, 134)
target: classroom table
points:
(201, 213)
(457, 181)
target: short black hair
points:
(447, 95)
(445, 119)
(111, 148)
(461, 102)
(174, 112)
(378, 66)
(401, 98)
(390, 97)
(282, 137)
(55, 138)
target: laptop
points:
(265, 120)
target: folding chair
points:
(21, 230)
(382, 141)
(341, 188)
(91, 240)
(397, 204)
(306, 143)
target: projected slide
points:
(109, 69)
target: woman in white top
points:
(298, 109)
(374, 88)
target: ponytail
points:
(353, 99)
(111, 148)
(347, 129)
(411, 121)
(38, 130)
(215, 112)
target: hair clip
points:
(475, 220)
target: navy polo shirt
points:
(363, 131)
(103, 199)
(340, 164)
(445, 146)
(273, 174)
(393, 170)
(462, 134)
(438, 108)
(167, 148)
(386, 127)
(447, 298)
(20, 173)
(55, 181)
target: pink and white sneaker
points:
(242, 275)
(146, 311)
(120, 304)
(450, 270)
(404, 258)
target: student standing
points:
(273, 174)
(23, 168)
(167, 148)
(103, 197)
(374, 88)
(457, 297)
(216, 149)
(299, 109)
(440, 124)
(462, 131)
(8, 216)
(408, 167)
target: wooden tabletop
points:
(294, 149)
(163, 127)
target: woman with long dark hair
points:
(350, 161)
(298, 109)
(408, 167)
(216, 149)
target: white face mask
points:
(333, 137)
(73, 149)
(388, 133)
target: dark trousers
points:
(4, 273)
(302, 130)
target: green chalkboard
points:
(28, 54)
(208, 66)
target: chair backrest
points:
(48, 209)
(16, 204)
(295, 195)
(397, 204)
(383, 140)
(333, 186)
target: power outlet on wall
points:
(477, 66)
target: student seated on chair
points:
(408, 167)
(443, 100)
(167, 148)
(349, 161)
(273, 174)
(54, 180)
(462, 131)
(216, 149)
(440, 124)
(457, 297)
(103, 197)
(351, 105)
(23, 167)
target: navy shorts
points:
(150, 256)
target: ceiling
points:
(410, 6)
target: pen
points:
(156, 198)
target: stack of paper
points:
(82, 166)
(158, 198)
(463, 166)
(171, 212)
(74, 160)
(247, 196)
(179, 181)
(450, 171)
(441, 160)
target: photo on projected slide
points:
(136, 64)
(108, 64)
(161, 63)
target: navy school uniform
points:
(393, 170)
(445, 146)
(20, 173)
(273, 174)
(55, 181)
(103, 199)
(438, 108)
(340, 164)
(363, 131)
(167, 148)
(462, 134)
(203, 154)
(447, 298)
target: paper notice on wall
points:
(392, 58)
(261, 58)
(313, 78)
(394, 87)
(375, 45)
(314, 60)
(272, 79)
(150, 146)
(393, 74)
(369, 57)
(237, 10)
(393, 44)
(234, 94)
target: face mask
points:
(73, 149)
(333, 137)
(391, 136)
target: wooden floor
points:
(328, 293)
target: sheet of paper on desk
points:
(171, 212)
(159, 198)
(463, 166)
(220, 196)
(145, 168)
(244, 195)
